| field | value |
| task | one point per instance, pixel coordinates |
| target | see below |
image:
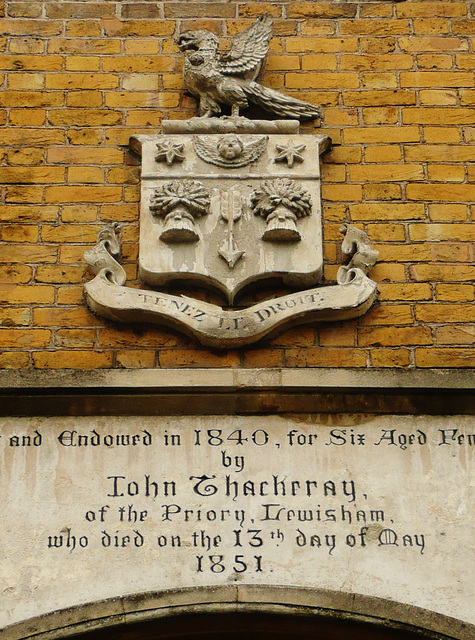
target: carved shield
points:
(227, 210)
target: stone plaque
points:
(380, 506)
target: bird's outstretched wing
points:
(248, 49)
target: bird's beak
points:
(184, 41)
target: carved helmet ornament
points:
(227, 204)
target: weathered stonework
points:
(216, 79)
(228, 211)
(239, 178)
(394, 84)
(350, 502)
(232, 209)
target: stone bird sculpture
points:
(229, 78)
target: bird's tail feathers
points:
(279, 103)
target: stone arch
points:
(245, 612)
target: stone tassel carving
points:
(362, 256)
(180, 203)
(100, 257)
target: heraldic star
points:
(169, 152)
(229, 78)
(289, 154)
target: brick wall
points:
(395, 81)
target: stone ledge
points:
(235, 391)
(218, 378)
(228, 124)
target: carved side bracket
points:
(99, 258)
(362, 256)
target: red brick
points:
(325, 357)
(73, 359)
(26, 338)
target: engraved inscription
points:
(302, 500)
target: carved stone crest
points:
(201, 217)
(229, 227)
(230, 203)
(229, 79)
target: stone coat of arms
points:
(229, 204)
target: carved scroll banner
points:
(101, 507)
(217, 327)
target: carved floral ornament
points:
(289, 153)
(228, 204)
(280, 202)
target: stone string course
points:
(395, 81)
